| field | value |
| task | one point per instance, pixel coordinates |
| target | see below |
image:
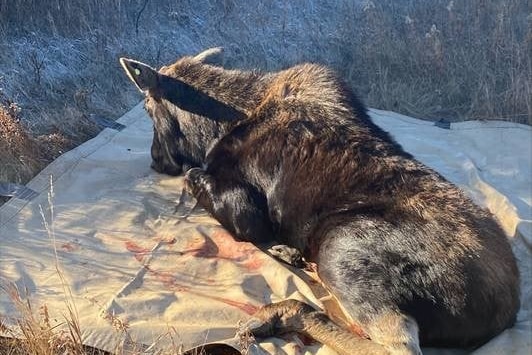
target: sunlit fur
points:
(400, 247)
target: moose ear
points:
(144, 76)
(214, 56)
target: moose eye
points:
(137, 71)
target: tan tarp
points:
(135, 253)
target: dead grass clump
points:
(458, 60)
(53, 145)
(21, 154)
(35, 331)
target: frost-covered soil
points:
(81, 75)
(59, 62)
(60, 77)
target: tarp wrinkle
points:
(136, 251)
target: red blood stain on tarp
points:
(138, 251)
(203, 247)
(166, 240)
(221, 245)
(243, 306)
(218, 244)
(170, 282)
(167, 279)
(171, 241)
(69, 246)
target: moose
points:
(293, 156)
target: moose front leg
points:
(240, 208)
(165, 158)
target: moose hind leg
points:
(394, 331)
(294, 316)
(359, 281)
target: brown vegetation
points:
(459, 60)
(452, 59)
(23, 155)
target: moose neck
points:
(198, 102)
(232, 93)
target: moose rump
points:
(293, 157)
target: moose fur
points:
(293, 156)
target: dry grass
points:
(23, 155)
(20, 154)
(459, 60)
(453, 59)
(35, 331)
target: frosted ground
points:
(134, 251)
(442, 59)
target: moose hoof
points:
(194, 180)
(287, 254)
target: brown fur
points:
(296, 158)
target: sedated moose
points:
(293, 156)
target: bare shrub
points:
(21, 154)
(36, 62)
